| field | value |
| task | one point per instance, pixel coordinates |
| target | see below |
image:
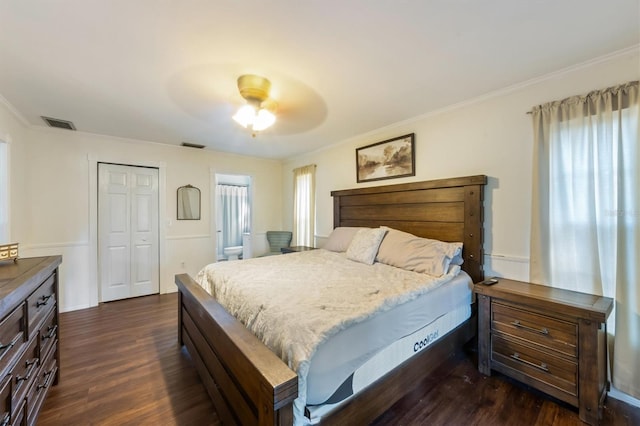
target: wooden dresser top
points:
(18, 279)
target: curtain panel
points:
(585, 230)
(233, 214)
(304, 205)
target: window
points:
(4, 192)
(304, 205)
(585, 232)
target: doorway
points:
(128, 229)
(233, 211)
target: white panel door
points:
(144, 232)
(127, 231)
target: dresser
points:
(552, 339)
(29, 359)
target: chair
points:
(278, 240)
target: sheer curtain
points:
(585, 232)
(233, 205)
(304, 205)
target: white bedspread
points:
(295, 302)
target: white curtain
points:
(304, 205)
(234, 215)
(585, 232)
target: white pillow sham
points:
(340, 238)
(423, 255)
(364, 245)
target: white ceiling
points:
(165, 70)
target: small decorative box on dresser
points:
(28, 337)
(552, 339)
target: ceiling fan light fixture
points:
(245, 115)
(263, 119)
(259, 113)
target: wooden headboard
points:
(444, 209)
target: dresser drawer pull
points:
(46, 381)
(5, 348)
(52, 332)
(6, 419)
(30, 363)
(542, 366)
(516, 323)
(45, 300)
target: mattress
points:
(388, 359)
(359, 355)
(337, 358)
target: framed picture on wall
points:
(388, 159)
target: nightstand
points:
(552, 339)
(295, 249)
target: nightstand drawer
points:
(539, 365)
(543, 330)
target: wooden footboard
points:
(249, 384)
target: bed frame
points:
(250, 385)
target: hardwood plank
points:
(121, 365)
(439, 195)
(436, 212)
(458, 394)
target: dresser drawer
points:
(40, 303)
(48, 333)
(555, 334)
(38, 392)
(12, 337)
(5, 401)
(539, 365)
(19, 415)
(25, 372)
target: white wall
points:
(53, 200)
(491, 136)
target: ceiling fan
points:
(259, 112)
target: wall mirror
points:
(188, 203)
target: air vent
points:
(192, 145)
(60, 124)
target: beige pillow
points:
(364, 246)
(340, 238)
(407, 251)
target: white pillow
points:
(364, 245)
(340, 238)
(407, 251)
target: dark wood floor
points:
(121, 365)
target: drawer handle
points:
(45, 300)
(542, 366)
(6, 419)
(30, 363)
(544, 331)
(52, 332)
(47, 376)
(8, 346)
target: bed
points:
(249, 384)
